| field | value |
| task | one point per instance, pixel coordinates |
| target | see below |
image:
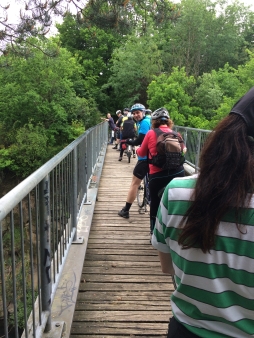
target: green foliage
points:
(208, 95)
(172, 92)
(133, 67)
(30, 150)
(5, 160)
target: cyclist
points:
(140, 170)
(148, 113)
(128, 130)
(158, 178)
(112, 127)
(118, 124)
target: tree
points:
(133, 67)
(38, 95)
(36, 18)
(173, 92)
(207, 35)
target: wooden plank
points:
(122, 306)
(124, 295)
(141, 287)
(124, 270)
(105, 328)
(122, 316)
(122, 264)
(130, 258)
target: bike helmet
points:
(118, 112)
(126, 109)
(160, 113)
(148, 112)
(138, 106)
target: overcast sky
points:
(13, 11)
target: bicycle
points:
(128, 149)
(143, 194)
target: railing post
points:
(198, 152)
(74, 192)
(45, 251)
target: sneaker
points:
(124, 213)
(120, 158)
(115, 147)
(134, 155)
(118, 149)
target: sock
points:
(127, 206)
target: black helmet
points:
(126, 109)
(160, 113)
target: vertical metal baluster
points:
(23, 265)
(31, 260)
(58, 245)
(64, 207)
(45, 248)
(69, 195)
(3, 283)
(62, 214)
(198, 152)
(13, 260)
(53, 223)
(74, 192)
(38, 251)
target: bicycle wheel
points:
(147, 191)
(141, 194)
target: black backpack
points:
(169, 147)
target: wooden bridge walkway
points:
(123, 292)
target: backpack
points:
(169, 147)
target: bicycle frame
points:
(143, 194)
(128, 150)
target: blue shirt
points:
(143, 127)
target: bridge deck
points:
(123, 292)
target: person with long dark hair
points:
(204, 233)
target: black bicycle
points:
(143, 194)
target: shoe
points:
(134, 155)
(124, 213)
(151, 235)
(120, 158)
(118, 149)
(115, 147)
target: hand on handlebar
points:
(129, 141)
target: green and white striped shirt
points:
(215, 291)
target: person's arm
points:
(166, 263)
(182, 144)
(142, 151)
(137, 141)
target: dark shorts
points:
(141, 169)
(177, 330)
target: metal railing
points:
(38, 222)
(194, 140)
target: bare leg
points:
(135, 183)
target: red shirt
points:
(149, 146)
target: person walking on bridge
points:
(204, 234)
(140, 170)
